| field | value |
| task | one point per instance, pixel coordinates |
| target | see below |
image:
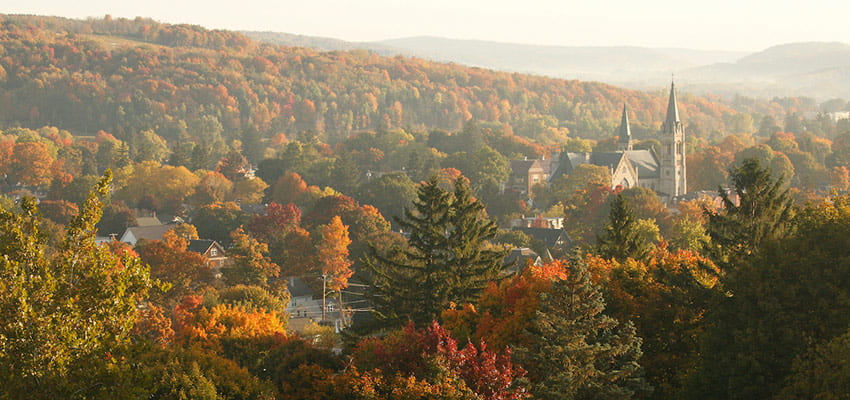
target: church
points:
(662, 170)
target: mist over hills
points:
(813, 69)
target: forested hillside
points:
(190, 84)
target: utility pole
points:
(324, 292)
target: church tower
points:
(624, 142)
(673, 180)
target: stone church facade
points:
(662, 170)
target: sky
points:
(738, 25)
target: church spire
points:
(672, 111)
(624, 142)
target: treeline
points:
(190, 84)
(756, 310)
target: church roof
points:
(609, 159)
(646, 163)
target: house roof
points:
(297, 288)
(521, 167)
(148, 232)
(548, 236)
(519, 258)
(200, 245)
(148, 221)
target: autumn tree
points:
(216, 220)
(446, 260)
(171, 261)
(667, 296)
(333, 255)
(251, 264)
(30, 164)
(412, 352)
(61, 310)
(577, 352)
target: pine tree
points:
(763, 212)
(576, 351)
(622, 237)
(446, 260)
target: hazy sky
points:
(703, 24)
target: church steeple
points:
(672, 120)
(624, 142)
(672, 155)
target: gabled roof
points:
(201, 245)
(646, 163)
(519, 258)
(521, 167)
(148, 221)
(147, 232)
(610, 159)
(548, 236)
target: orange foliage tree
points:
(666, 297)
(333, 254)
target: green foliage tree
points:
(791, 293)
(446, 261)
(576, 351)
(65, 309)
(624, 236)
(761, 211)
(821, 373)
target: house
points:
(135, 233)
(538, 222)
(661, 170)
(525, 174)
(520, 258)
(212, 251)
(305, 307)
(555, 241)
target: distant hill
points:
(816, 69)
(607, 64)
(318, 42)
(597, 63)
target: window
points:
(213, 252)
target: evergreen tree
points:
(623, 237)
(446, 260)
(576, 351)
(763, 212)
